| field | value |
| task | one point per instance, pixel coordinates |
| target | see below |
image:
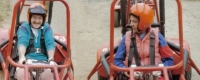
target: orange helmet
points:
(145, 14)
(36, 8)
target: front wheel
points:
(188, 75)
(102, 78)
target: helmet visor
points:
(38, 10)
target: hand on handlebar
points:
(22, 60)
(137, 74)
(126, 73)
(157, 73)
(51, 62)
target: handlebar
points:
(153, 68)
(26, 67)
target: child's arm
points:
(165, 52)
(120, 54)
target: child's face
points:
(134, 23)
(36, 21)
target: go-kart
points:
(183, 63)
(8, 44)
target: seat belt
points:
(31, 48)
(31, 43)
(133, 52)
(42, 43)
(152, 49)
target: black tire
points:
(188, 75)
(102, 78)
(123, 12)
(117, 20)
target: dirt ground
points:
(4, 10)
(90, 29)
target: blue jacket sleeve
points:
(120, 54)
(165, 52)
(168, 61)
(49, 39)
(23, 36)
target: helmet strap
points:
(139, 31)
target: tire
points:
(188, 75)
(117, 20)
(102, 78)
(123, 12)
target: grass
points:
(4, 9)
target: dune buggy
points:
(63, 71)
(183, 63)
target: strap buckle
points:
(38, 50)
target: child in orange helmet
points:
(138, 45)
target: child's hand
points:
(156, 73)
(126, 73)
(137, 74)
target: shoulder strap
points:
(31, 43)
(31, 48)
(133, 52)
(152, 48)
(42, 43)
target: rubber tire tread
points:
(102, 78)
(188, 75)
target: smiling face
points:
(134, 23)
(36, 21)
